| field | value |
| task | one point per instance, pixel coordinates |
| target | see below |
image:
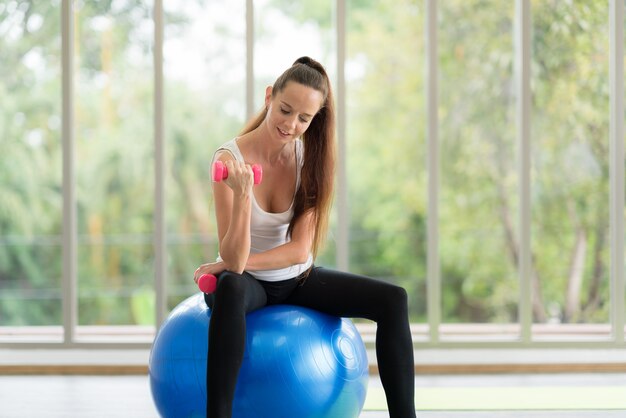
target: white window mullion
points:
(616, 138)
(343, 216)
(433, 283)
(250, 109)
(160, 233)
(69, 283)
(522, 79)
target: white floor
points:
(129, 396)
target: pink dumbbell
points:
(220, 172)
(207, 283)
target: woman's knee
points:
(239, 292)
(230, 285)
(395, 298)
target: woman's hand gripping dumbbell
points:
(205, 276)
(220, 172)
(207, 283)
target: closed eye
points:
(301, 118)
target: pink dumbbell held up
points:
(207, 283)
(220, 172)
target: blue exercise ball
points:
(298, 363)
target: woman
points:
(269, 235)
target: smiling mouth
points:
(283, 133)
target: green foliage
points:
(30, 169)
(570, 196)
(386, 147)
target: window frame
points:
(433, 334)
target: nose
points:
(292, 122)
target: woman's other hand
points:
(209, 268)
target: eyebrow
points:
(291, 107)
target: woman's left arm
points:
(296, 251)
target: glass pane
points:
(479, 204)
(30, 164)
(570, 173)
(204, 66)
(284, 31)
(115, 167)
(387, 182)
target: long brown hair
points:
(318, 171)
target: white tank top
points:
(267, 229)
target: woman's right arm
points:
(232, 209)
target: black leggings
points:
(332, 292)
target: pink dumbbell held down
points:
(207, 283)
(220, 172)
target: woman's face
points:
(291, 110)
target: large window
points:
(30, 164)
(386, 154)
(479, 203)
(114, 181)
(570, 174)
(480, 167)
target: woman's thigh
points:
(346, 294)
